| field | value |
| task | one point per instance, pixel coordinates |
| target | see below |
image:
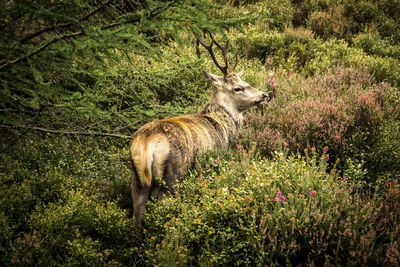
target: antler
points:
(225, 69)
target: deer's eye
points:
(238, 89)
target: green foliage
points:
(76, 75)
(373, 44)
(297, 50)
(259, 212)
(344, 110)
(76, 231)
(44, 182)
(343, 19)
(77, 59)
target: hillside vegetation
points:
(312, 178)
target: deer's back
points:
(176, 141)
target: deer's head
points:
(230, 90)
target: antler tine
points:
(224, 50)
(232, 68)
(225, 53)
(210, 50)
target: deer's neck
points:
(232, 118)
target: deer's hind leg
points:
(140, 195)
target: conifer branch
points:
(64, 25)
(40, 129)
(153, 13)
(40, 48)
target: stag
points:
(161, 151)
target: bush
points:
(77, 232)
(280, 212)
(42, 179)
(292, 49)
(298, 50)
(343, 110)
(330, 23)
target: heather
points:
(345, 110)
(312, 178)
(283, 211)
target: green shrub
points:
(287, 211)
(40, 172)
(330, 23)
(80, 231)
(373, 44)
(343, 110)
(291, 49)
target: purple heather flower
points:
(285, 144)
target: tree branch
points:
(58, 38)
(65, 132)
(63, 25)
(154, 13)
(40, 48)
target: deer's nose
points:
(266, 97)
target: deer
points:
(161, 151)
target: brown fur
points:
(161, 151)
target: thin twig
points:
(64, 132)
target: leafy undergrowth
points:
(314, 179)
(345, 110)
(284, 211)
(232, 209)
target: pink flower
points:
(283, 198)
(325, 149)
(277, 69)
(345, 178)
(312, 193)
(285, 144)
(279, 194)
(202, 184)
(269, 61)
(327, 158)
(289, 73)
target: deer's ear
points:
(239, 74)
(212, 78)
